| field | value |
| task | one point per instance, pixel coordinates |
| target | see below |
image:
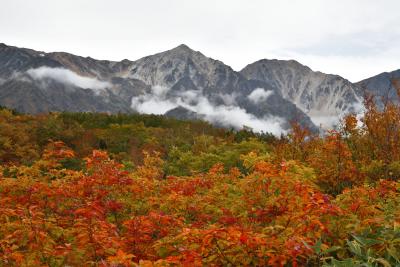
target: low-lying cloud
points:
(326, 122)
(67, 77)
(236, 117)
(259, 95)
(157, 102)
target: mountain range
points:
(182, 83)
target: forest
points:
(85, 189)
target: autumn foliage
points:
(121, 190)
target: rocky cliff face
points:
(382, 86)
(323, 97)
(185, 78)
(180, 82)
(185, 84)
(35, 82)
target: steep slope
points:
(324, 97)
(180, 82)
(35, 82)
(381, 86)
(25, 95)
(185, 78)
(168, 68)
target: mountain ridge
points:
(267, 94)
(317, 94)
(381, 86)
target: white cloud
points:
(159, 90)
(229, 99)
(223, 29)
(236, 117)
(157, 102)
(259, 94)
(67, 77)
(154, 102)
(327, 122)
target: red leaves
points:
(121, 258)
(113, 206)
(282, 202)
(57, 150)
(272, 216)
(334, 164)
(98, 157)
(188, 186)
(228, 218)
(142, 231)
(91, 210)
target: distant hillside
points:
(265, 96)
(323, 97)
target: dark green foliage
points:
(185, 146)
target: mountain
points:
(214, 91)
(182, 113)
(35, 82)
(180, 82)
(381, 86)
(323, 97)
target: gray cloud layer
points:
(355, 39)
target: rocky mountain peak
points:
(180, 82)
(273, 65)
(183, 48)
(167, 68)
(324, 97)
(381, 86)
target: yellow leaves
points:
(381, 132)
(396, 224)
(252, 158)
(266, 168)
(57, 151)
(249, 160)
(350, 124)
(216, 169)
(334, 165)
(152, 167)
(123, 258)
(368, 207)
(145, 263)
(16, 141)
(97, 157)
(271, 214)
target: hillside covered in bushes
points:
(83, 189)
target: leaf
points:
(317, 246)
(163, 252)
(384, 262)
(393, 253)
(355, 248)
(367, 241)
(332, 249)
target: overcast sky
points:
(353, 38)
